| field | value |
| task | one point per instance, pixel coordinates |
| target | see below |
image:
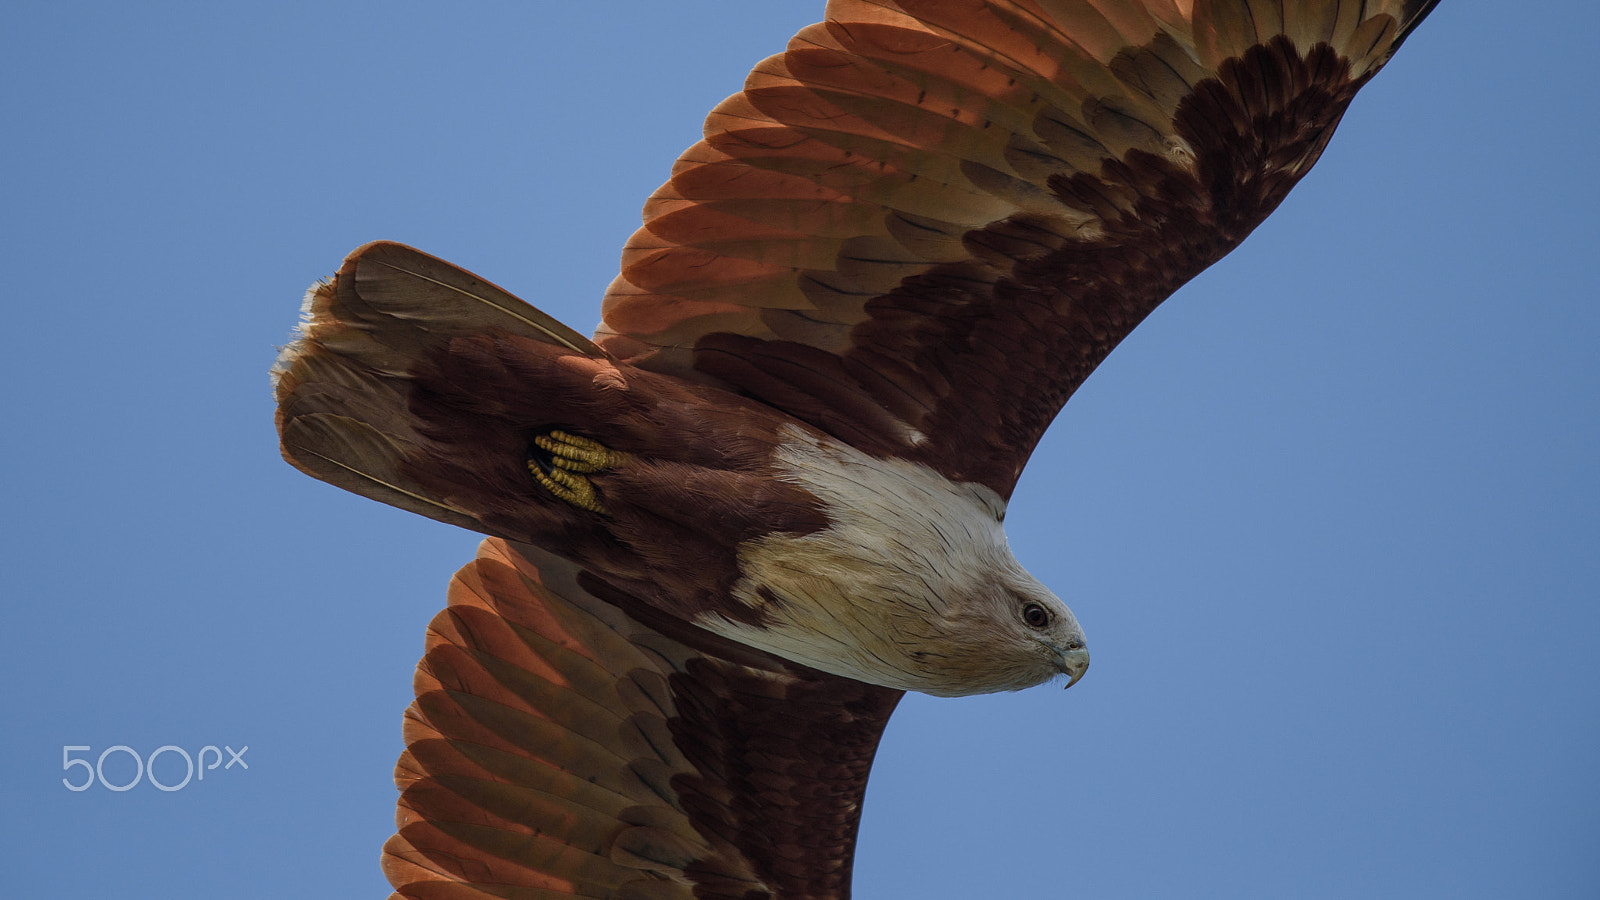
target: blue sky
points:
(1330, 518)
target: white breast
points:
(857, 598)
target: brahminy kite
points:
(729, 531)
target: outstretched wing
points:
(924, 225)
(561, 747)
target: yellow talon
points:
(576, 453)
(570, 457)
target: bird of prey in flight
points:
(765, 499)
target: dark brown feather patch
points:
(921, 228)
(559, 745)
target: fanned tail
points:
(344, 385)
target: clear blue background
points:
(1331, 518)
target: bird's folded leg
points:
(560, 460)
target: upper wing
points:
(560, 747)
(924, 225)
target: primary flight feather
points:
(767, 498)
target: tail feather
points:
(351, 454)
(386, 286)
(343, 386)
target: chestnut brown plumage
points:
(766, 499)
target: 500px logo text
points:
(145, 767)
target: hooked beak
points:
(1074, 663)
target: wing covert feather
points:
(559, 747)
(967, 204)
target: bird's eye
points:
(1035, 615)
